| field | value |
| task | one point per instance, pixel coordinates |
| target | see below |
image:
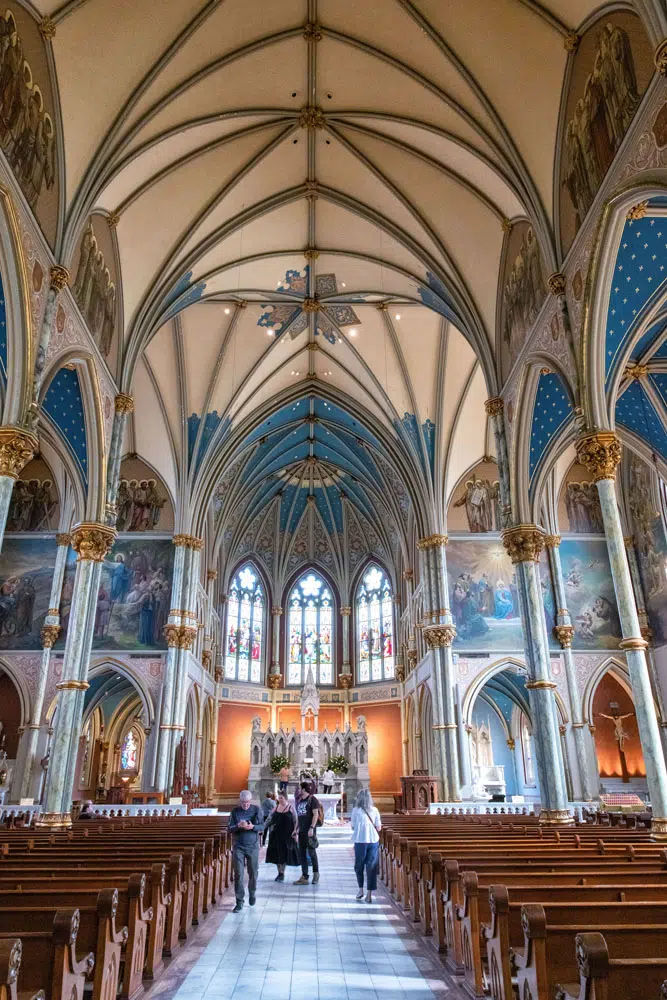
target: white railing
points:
(14, 810)
(110, 811)
(482, 808)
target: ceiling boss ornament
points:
(311, 117)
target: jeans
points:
(282, 786)
(242, 856)
(367, 856)
(327, 789)
(304, 851)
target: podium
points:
(418, 790)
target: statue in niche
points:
(95, 292)
(482, 747)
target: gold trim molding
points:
(179, 636)
(72, 686)
(564, 634)
(633, 642)
(541, 685)
(49, 634)
(432, 542)
(556, 817)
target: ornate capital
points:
(59, 276)
(91, 540)
(63, 538)
(311, 117)
(660, 58)
(523, 543)
(432, 542)
(49, 635)
(494, 406)
(399, 672)
(511, 744)
(47, 28)
(206, 658)
(345, 681)
(552, 541)
(564, 634)
(437, 636)
(556, 283)
(345, 612)
(218, 675)
(113, 218)
(506, 225)
(17, 447)
(408, 574)
(123, 403)
(211, 574)
(647, 634)
(276, 612)
(189, 542)
(600, 454)
(179, 636)
(274, 681)
(412, 659)
(637, 211)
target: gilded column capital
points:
(211, 575)
(345, 612)
(552, 541)
(63, 538)
(123, 403)
(310, 253)
(274, 681)
(399, 672)
(556, 283)
(91, 540)
(523, 542)
(628, 541)
(432, 542)
(17, 447)
(345, 681)
(276, 612)
(59, 276)
(189, 542)
(408, 574)
(49, 635)
(206, 659)
(494, 406)
(437, 636)
(564, 634)
(599, 453)
(412, 659)
(179, 636)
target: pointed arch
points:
(246, 621)
(374, 626)
(311, 604)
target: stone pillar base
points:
(556, 817)
(54, 821)
(659, 829)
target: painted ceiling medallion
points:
(292, 316)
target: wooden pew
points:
(49, 964)
(605, 978)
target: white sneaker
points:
(360, 894)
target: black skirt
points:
(282, 849)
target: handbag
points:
(313, 842)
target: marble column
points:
(91, 541)
(187, 635)
(439, 632)
(124, 405)
(50, 633)
(411, 650)
(17, 447)
(212, 754)
(275, 677)
(564, 632)
(600, 453)
(524, 543)
(346, 678)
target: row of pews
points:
(100, 907)
(518, 910)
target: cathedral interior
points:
(333, 340)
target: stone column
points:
(439, 632)
(346, 678)
(564, 632)
(524, 544)
(600, 453)
(275, 677)
(91, 541)
(188, 627)
(213, 749)
(17, 447)
(411, 652)
(124, 405)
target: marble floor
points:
(310, 942)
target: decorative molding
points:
(345, 681)
(312, 32)
(211, 574)
(345, 612)
(276, 612)
(274, 681)
(637, 211)
(179, 636)
(311, 253)
(523, 543)
(636, 371)
(633, 642)
(47, 28)
(72, 686)
(91, 540)
(571, 41)
(408, 574)
(600, 454)
(17, 447)
(63, 538)
(541, 685)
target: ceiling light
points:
(353, 333)
(397, 316)
(340, 340)
(227, 311)
(343, 284)
(270, 331)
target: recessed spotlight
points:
(353, 333)
(227, 312)
(270, 331)
(342, 284)
(397, 316)
(340, 340)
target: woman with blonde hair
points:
(366, 824)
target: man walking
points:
(308, 812)
(246, 823)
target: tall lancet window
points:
(375, 627)
(244, 648)
(310, 631)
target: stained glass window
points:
(310, 631)
(245, 627)
(375, 627)
(129, 752)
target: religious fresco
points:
(34, 505)
(612, 68)
(27, 120)
(143, 503)
(522, 291)
(651, 546)
(95, 286)
(134, 596)
(579, 503)
(483, 595)
(589, 592)
(26, 572)
(475, 503)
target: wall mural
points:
(26, 572)
(475, 503)
(134, 596)
(27, 129)
(483, 595)
(589, 591)
(522, 291)
(142, 503)
(612, 68)
(579, 503)
(34, 504)
(96, 282)
(651, 546)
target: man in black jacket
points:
(246, 823)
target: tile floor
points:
(310, 942)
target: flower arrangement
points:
(278, 763)
(339, 765)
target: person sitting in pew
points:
(87, 811)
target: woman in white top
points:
(366, 824)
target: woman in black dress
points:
(283, 826)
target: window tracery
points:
(375, 627)
(310, 631)
(244, 648)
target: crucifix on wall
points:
(620, 735)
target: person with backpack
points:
(310, 815)
(366, 824)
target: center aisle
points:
(316, 942)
